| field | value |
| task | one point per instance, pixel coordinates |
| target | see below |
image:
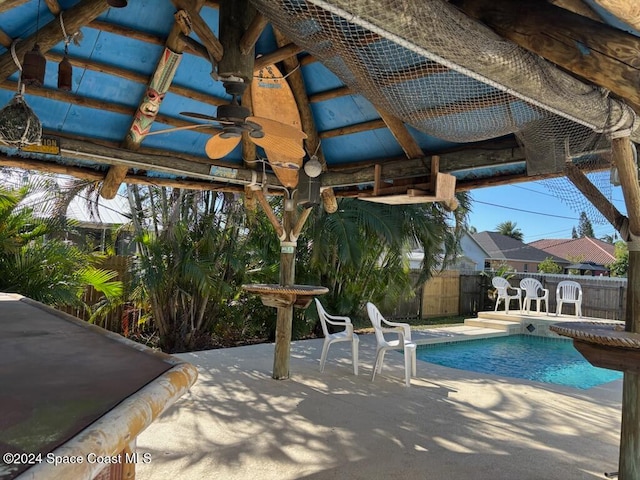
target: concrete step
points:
(512, 327)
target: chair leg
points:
(354, 347)
(559, 308)
(409, 364)
(414, 362)
(579, 310)
(323, 357)
(377, 366)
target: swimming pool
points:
(548, 360)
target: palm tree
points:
(509, 229)
(359, 252)
(35, 262)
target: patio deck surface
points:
(237, 423)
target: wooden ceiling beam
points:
(601, 54)
(200, 27)
(394, 169)
(50, 35)
(149, 106)
(9, 4)
(351, 129)
(250, 37)
(282, 53)
(402, 135)
(54, 7)
(125, 32)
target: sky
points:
(537, 210)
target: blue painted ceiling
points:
(102, 103)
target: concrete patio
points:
(237, 423)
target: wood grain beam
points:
(351, 129)
(282, 53)
(200, 27)
(92, 175)
(50, 35)
(148, 108)
(601, 54)
(401, 134)
(330, 94)
(54, 7)
(9, 4)
(250, 37)
(125, 32)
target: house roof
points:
(584, 249)
(502, 247)
(386, 100)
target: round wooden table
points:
(604, 344)
(281, 296)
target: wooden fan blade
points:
(218, 147)
(279, 129)
(205, 128)
(289, 147)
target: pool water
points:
(548, 360)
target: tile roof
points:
(584, 249)
(500, 246)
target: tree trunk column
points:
(285, 314)
(629, 463)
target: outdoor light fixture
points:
(313, 168)
(33, 67)
(308, 188)
(65, 73)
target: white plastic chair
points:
(502, 287)
(569, 291)
(403, 330)
(345, 335)
(533, 291)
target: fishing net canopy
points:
(446, 75)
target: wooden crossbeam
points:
(50, 35)
(595, 51)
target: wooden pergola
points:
(137, 68)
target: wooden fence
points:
(114, 320)
(453, 293)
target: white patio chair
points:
(345, 335)
(403, 330)
(503, 287)
(569, 291)
(533, 291)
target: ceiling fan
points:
(233, 120)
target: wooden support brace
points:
(253, 32)
(270, 214)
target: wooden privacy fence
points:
(453, 293)
(114, 320)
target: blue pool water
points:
(548, 360)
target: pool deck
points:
(237, 423)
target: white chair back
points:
(569, 291)
(531, 286)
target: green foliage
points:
(549, 266)
(620, 266)
(34, 262)
(585, 228)
(509, 229)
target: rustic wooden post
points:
(287, 278)
(623, 157)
